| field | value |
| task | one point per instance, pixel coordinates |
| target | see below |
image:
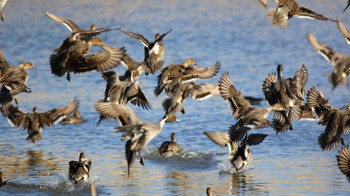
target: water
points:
(237, 33)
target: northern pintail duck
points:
(286, 9)
(248, 117)
(72, 56)
(340, 62)
(239, 154)
(122, 92)
(35, 122)
(74, 118)
(175, 74)
(137, 137)
(75, 59)
(182, 91)
(169, 148)
(13, 80)
(9, 90)
(133, 68)
(2, 183)
(77, 33)
(154, 51)
(343, 160)
(289, 93)
(337, 121)
(122, 113)
(79, 170)
(2, 5)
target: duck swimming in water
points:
(79, 170)
(169, 148)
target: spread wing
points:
(56, 115)
(100, 61)
(119, 112)
(193, 72)
(14, 116)
(142, 39)
(344, 31)
(137, 97)
(219, 138)
(238, 104)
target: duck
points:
(343, 160)
(288, 92)
(79, 171)
(287, 9)
(175, 74)
(340, 62)
(77, 33)
(122, 113)
(34, 122)
(9, 90)
(137, 137)
(75, 59)
(240, 156)
(133, 68)
(248, 117)
(16, 74)
(169, 148)
(154, 51)
(2, 182)
(2, 5)
(122, 92)
(175, 101)
(75, 118)
(72, 56)
(336, 120)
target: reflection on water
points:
(237, 33)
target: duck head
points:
(25, 65)
(96, 42)
(35, 110)
(188, 62)
(279, 70)
(173, 137)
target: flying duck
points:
(35, 122)
(175, 74)
(122, 113)
(154, 51)
(137, 137)
(75, 118)
(286, 9)
(337, 121)
(248, 117)
(239, 154)
(340, 62)
(289, 93)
